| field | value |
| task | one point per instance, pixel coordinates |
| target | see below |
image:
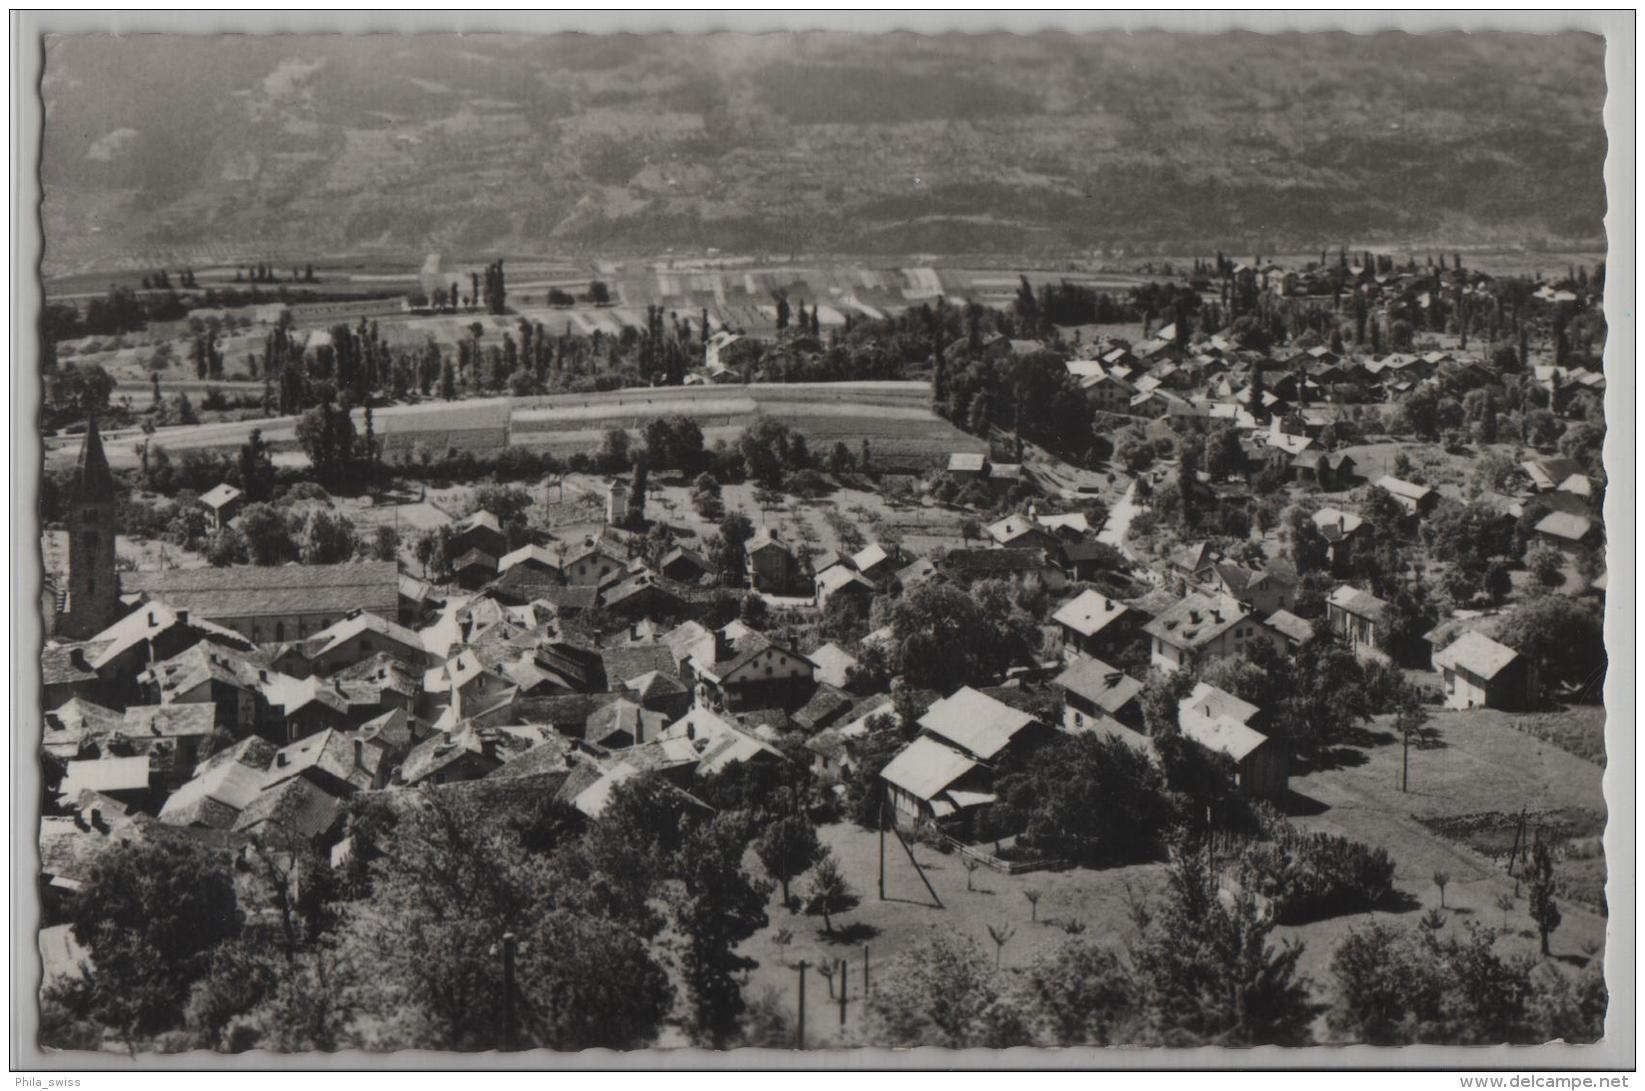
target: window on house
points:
(279, 630)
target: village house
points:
(222, 502)
(1341, 530)
(209, 674)
(1359, 617)
(531, 558)
(1093, 690)
(840, 579)
(1332, 472)
(1201, 627)
(357, 637)
(1221, 723)
(684, 565)
(749, 670)
(946, 769)
(1019, 532)
(594, 563)
(1097, 625)
(772, 566)
(1571, 534)
(1272, 588)
(479, 531)
(1417, 500)
(474, 569)
(1478, 672)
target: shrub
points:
(1311, 876)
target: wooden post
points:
(508, 991)
(929, 889)
(1405, 763)
(865, 969)
(882, 845)
(843, 969)
(799, 1027)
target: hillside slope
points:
(295, 147)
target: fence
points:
(987, 859)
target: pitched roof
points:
(925, 767)
(1217, 720)
(626, 662)
(984, 562)
(169, 721)
(147, 622)
(356, 624)
(1197, 620)
(222, 786)
(976, 722)
(1109, 688)
(64, 664)
(1566, 525)
(297, 806)
(832, 662)
(1090, 612)
(1357, 602)
(1477, 654)
(1407, 490)
(1335, 524)
(255, 591)
(1290, 626)
(532, 553)
(105, 775)
(218, 495)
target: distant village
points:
(1271, 516)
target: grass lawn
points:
(1485, 765)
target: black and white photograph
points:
(822, 540)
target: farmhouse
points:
(1480, 673)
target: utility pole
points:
(865, 969)
(508, 991)
(844, 967)
(882, 840)
(1405, 762)
(799, 1026)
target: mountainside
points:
(297, 147)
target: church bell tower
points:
(88, 593)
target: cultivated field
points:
(903, 434)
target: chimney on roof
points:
(77, 658)
(1342, 523)
(152, 622)
(262, 675)
(182, 617)
(359, 753)
(97, 822)
(282, 759)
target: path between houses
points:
(1118, 524)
